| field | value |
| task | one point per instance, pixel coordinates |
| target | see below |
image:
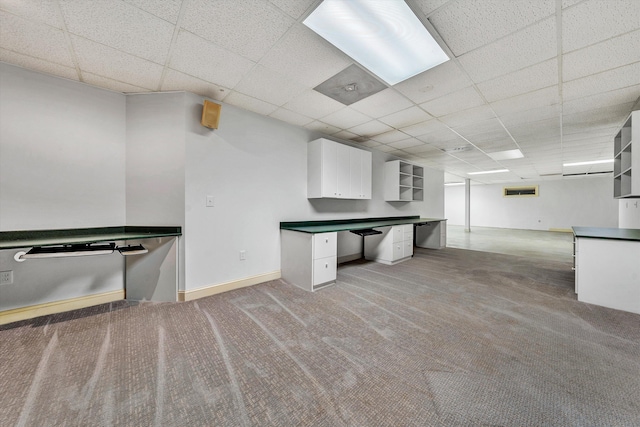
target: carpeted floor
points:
(448, 338)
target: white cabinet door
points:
(398, 233)
(343, 174)
(398, 251)
(365, 173)
(355, 172)
(329, 169)
(408, 248)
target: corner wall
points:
(62, 165)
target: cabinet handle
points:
(326, 240)
(326, 266)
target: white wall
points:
(62, 165)
(579, 201)
(256, 169)
(629, 213)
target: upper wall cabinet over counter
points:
(626, 149)
(337, 171)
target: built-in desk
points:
(607, 267)
(151, 276)
(309, 248)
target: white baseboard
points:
(29, 312)
(228, 286)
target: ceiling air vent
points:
(529, 191)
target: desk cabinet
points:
(337, 171)
(309, 260)
(394, 245)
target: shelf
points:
(403, 181)
(626, 158)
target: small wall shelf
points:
(403, 181)
(626, 150)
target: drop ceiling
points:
(552, 78)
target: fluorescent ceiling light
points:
(385, 37)
(453, 183)
(486, 172)
(506, 155)
(593, 162)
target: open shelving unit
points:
(626, 157)
(403, 181)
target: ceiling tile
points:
(218, 21)
(33, 39)
(429, 6)
(269, 86)
(290, 117)
(313, 104)
(199, 58)
(169, 10)
(602, 82)
(385, 148)
(422, 149)
(456, 101)
(120, 26)
(344, 134)
(39, 65)
(613, 53)
(592, 21)
(175, 80)
(443, 138)
(614, 97)
(346, 118)
(393, 136)
(531, 116)
(466, 117)
(305, 57)
(110, 84)
(370, 144)
(569, 3)
(409, 142)
(526, 80)
(434, 83)
(104, 61)
(322, 127)
(407, 117)
(371, 128)
(248, 103)
(468, 25)
(541, 98)
(540, 130)
(527, 47)
(425, 127)
(382, 103)
(44, 11)
(610, 116)
(293, 8)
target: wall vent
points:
(528, 191)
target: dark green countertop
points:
(29, 238)
(607, 233)
(353, 224)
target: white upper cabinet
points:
(337, 171)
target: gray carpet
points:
(448, 338)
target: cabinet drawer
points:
(408, 248)
(398, 251)
(324, 270)
(324, 245)
(398, 233)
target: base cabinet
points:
(309, 260)
(432, 235)
(394, 245)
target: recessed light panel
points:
(506, 155)
(593, 162)
(385, 37)
(487, 172)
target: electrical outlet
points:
(6, 277)
(243, 255)
(210, 201)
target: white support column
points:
(467, 205)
